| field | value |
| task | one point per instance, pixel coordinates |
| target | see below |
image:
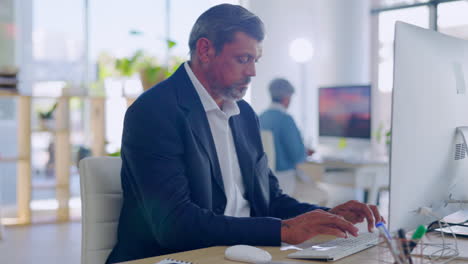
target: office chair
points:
(287, 183)
(101, 196)
(306, 191)
(1, 226)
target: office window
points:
(389, 3)
(182, 17)
(58, 41)
(120, 27)
(446, 16)
(453, 19)
(418, 16)
(58, 63)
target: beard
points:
(234, 92)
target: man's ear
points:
(205, 49)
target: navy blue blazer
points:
(173, 193)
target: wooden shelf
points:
(62, 148)
(44, 130)
(25, 184)
(13, 159)
(7, 93)
(44, 185)
(49, 185)
(16, 221)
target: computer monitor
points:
(428, 161)
(344, 113)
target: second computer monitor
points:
(344, 111)
(344, 121)
(428, 162)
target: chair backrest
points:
(269, 147)
(101, 198)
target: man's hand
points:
(355, 212)
(305, 226)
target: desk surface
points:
(348, 162)
(215, 255)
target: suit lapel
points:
(243, 155)
(196, 116)
(202, 132)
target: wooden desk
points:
(215, 255)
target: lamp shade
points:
(301, 50)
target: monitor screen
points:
(344, 111)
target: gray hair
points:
(279, 89)
(220, 23)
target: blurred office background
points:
(79, 64)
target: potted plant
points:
(149, 68)
(105, 69)
(153, 72)
(46, 118)
(127, 67)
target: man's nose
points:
(251, 71)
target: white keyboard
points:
(338, 248)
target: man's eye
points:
(243, 59)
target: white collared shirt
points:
(218, 119)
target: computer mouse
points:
(249, 254)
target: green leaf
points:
(115, 154)
(136, 57)
(135, 32)
(170, 43)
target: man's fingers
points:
(355, 217)
(342, 224)
(359, 219)
(334, 221)
(377, 216)
(383, 219)
(333, 231)
(368, 214)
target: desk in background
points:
(368, 175)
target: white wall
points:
(6, 32)
(8, 146)
(340, 33)
(15, 47)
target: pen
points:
(388, 240)
(405, 245)
(399, 246)
(418, 234)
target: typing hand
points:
(355, 212)
(305, 226)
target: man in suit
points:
(194, 173)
